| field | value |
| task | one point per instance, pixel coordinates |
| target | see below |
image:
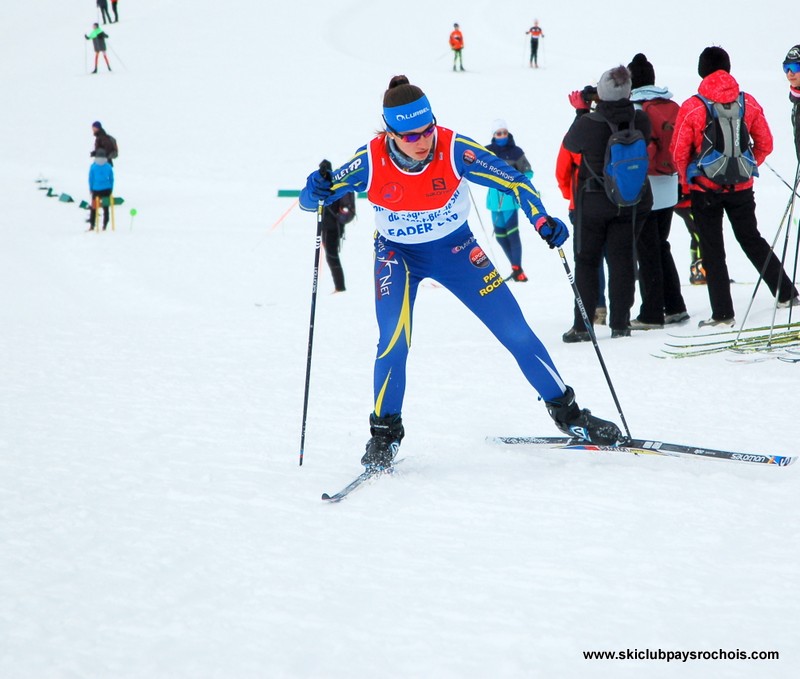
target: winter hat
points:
(614, 84)
(793, 55)
(498, 124)
(642, 72)
(713, 59)
(97, 124)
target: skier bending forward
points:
(414, 174)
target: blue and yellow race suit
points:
(422, 232)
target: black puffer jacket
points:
(589, 134)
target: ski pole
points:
(788, 185)
(786, 213)
(325, 170)
(483, 228)
(122, 63)
(789, 226)
(590, 328)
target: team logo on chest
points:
(392, 192)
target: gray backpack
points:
(725, 157)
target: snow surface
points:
(154, 521)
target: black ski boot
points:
(581, 424)
(387, 432)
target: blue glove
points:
(318, 186)
(552, 230)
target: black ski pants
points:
(659, 282)
(604, 225)
(331, 241)
(740, 208)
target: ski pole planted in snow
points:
(590, 328)
(325, 169)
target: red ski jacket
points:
(721, 87)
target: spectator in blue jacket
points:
(503, 206)
(101, 184)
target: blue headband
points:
(409, 116)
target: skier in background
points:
(536, 33)
(457, 44)
(98, 38)
(104, 15)
(114, 8)
(504, 208)
(415, 175)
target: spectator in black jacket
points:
(334, 218)
(791, 66)
(103, 140)
(103, 7)
(598, 222)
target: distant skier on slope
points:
(536, 34)
(98, 37)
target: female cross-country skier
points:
(415, 175)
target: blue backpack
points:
(725, 155)
(625, 164)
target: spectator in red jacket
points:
(457, 44)
(710, 200)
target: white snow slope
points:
(154, 521)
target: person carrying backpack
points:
(601, 220)
(718, 168)
(103, 140)
(659, 282)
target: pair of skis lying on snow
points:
(635, 446)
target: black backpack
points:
(625, 165)
(115, 149)
(726, 156)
